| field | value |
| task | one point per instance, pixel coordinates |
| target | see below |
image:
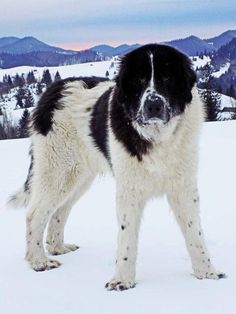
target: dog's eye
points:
(142, 80)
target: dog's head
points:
(154, 84)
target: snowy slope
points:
(200, 62)
(75, 70)
(164, 281)
(222, 70)
(81, 69)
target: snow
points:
(81, 69)
(164, 281)
(222, 70)
(200, 62)
(75, 70)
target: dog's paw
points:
(119, 285)
(209, 274)
(43, 264)
(62, 249)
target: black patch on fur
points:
(124, 131)
(99, 123)
(42, 117)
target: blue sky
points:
(79, 23)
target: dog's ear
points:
(121, 79)
(190, 79)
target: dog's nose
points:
(153, 107)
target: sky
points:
(80, 24)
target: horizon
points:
(73, 25)
(114, 44)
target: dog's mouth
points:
(144, 122)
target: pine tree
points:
(46, 79)
(23, 124)
(31, 78)
(211, 98)
(57, 77)
(20, 95)
(39, 89)
(107, 73)
(18, 80)
(29, 99)
(4, 79)
(9, 81)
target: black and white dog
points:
(144, 129)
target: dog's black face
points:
(154, 84)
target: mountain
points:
(224, 62)
(109, 51)
(222, 39)
(16, 51)
(31, 51)
(15, 45)
(191, 45)
(4, 41)
(47, 58)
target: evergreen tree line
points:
(20, 81)
(25, 87)
(212, 96)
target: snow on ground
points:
(200, 62)
(222, 70)
(81, 69)
(75, 70)
(164, 281)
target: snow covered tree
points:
(23, 124)
(18, 80)
(39, 89)
(211, 98)
(20, 96)
(29, 99)
(31, 78)
(57, 77)
(9, 81)
(46, 79)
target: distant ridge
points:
(16, 51)
(110, 51)
(14, 45)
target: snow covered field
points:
(164, 281)
(81, 69)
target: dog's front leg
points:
(184, 200)
(129, 211)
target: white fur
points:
(66, 161)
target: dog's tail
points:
(21, 197)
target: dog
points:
(143, 128)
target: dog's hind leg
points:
(37, 218)
(55, 232)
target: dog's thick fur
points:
(85, 127)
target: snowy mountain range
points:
(16, 51)
(193, 45)
(14, 45)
